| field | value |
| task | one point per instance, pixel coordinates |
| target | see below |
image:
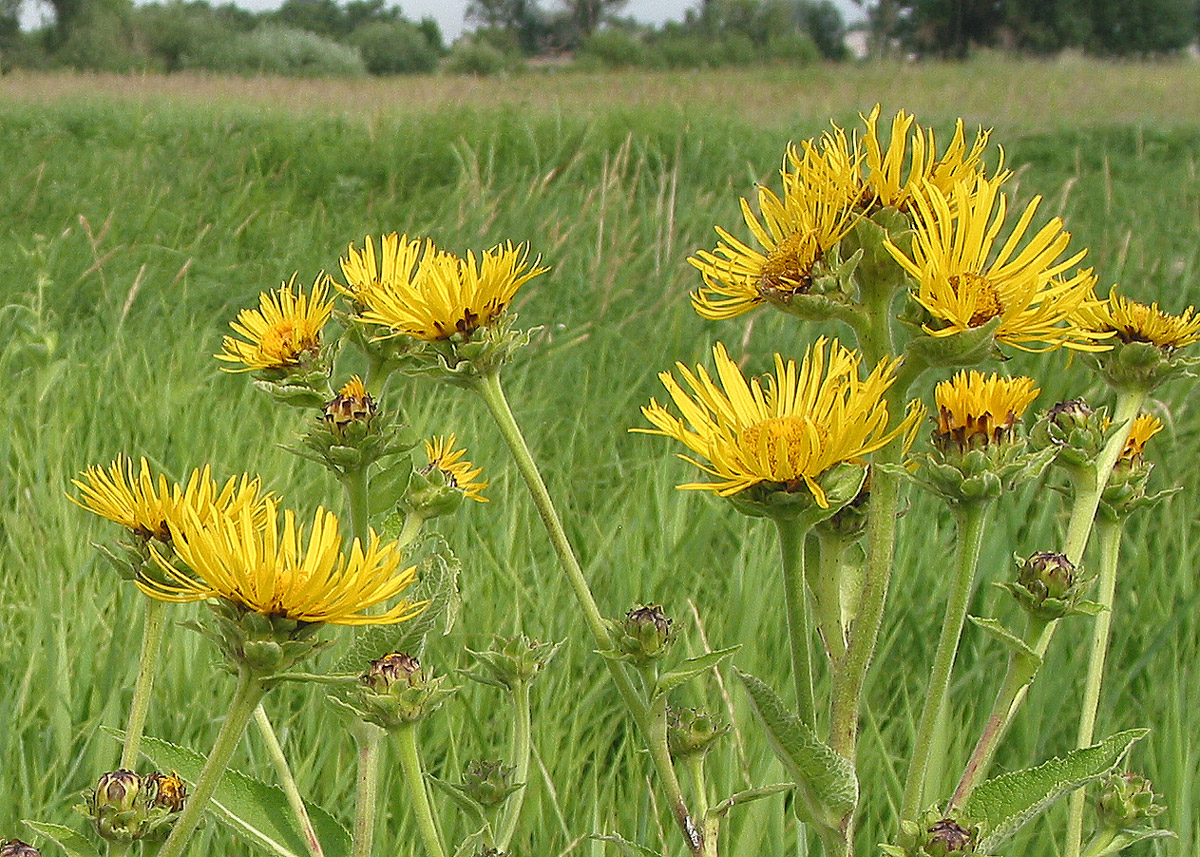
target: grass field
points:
(140, 214)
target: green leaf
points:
(67, 839)
(437, 582)
(688, 669)
(629, 849)
(466, 803)
(1004, 803)
(474, 843)
(254, 809)
(1128, 837)
(825, 780)
(749, 795)
(1029, 660)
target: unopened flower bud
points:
(933, 836)
(1126, 800)
(117, 791)
(117, 806)
(17, 848)
(649, 631)
(168, 789)
(351, 407)
(396, 690)
(489, 783)
(386, 671)
(948, 837)
(511, 661)
(1048, 585)
(691, 732)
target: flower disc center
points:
(786, 442)
(284, 342)
(983, 296)
(786, 270)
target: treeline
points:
(357, 37)
(953, 28)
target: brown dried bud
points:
(396, 667)
(168, 789)
(17, 848)
(948, 836)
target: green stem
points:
(284, 772)
(1100, 843)
(489, 389)
(521, 728)
(355, 485)
(249, 693)
(1109, 534)
(152, 639)
(825, 583)
(413, 522)
(791, 549)
(1037, 634)
(710, 826)
(368, 738)
(971, 520)
(414, 778)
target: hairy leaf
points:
(67, 839)
(688, 669)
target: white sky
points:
(449, 13)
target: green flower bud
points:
(1048, 585)
(117, 806)
(644, 635)
(17, 848)
(1074, 429)
(511, 661)
(934, 836)
(948, 836)
(396, 690)
(349, 436)
(692, 732)
(1125, 800)
(488, 783)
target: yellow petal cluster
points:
(421, 291)
(966, 277)
(286, 327)
(457, 471)
(805, 420)
(977, 409)
(148, 505)
(1131, 321)
(1144, 427)
(274, 571)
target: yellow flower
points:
(1144, 427)
(803, 423)
(886, 182)
(282, 331)
(273, 572)
(974, 409)
(965, 282)
(1135, 322)
(821, 187)
(352, 404)
(429, 294)
(457, 471)
(148, 506)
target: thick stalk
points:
(152, 638)
(1037, 634)
(492, 394)
(521, 728)
(711, 826)
(971, 521)
(410, 530)
(414, 780)
(1109, 534)
(355, 485)
(368, 738)
(286, 781)
(1100, 843)
(825, 583)
(249, 693)
(791, 549)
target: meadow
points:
(139, 215)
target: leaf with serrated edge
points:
(1004, 803)
(1031, 661)
(688, 669)
(824, 779)
(437, 582)
(749, 795)
(629, 849)
(67, 839)
(466, 803)
(251, 807)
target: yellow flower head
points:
(1135, 322)
(964, 281)
(148, 506)
(978, 410)
(275, 572)
(821, 185)
(282, 331)
(1144, 427)
(427, 293)
(886, 182)
(457, 471)
(352, 404)
(803, 423)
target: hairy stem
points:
(791, 549)
(414, 779)
(152, 640)
(369, 740)
(971, 520)
(286, 781)
(521, 728)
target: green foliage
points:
(397, 47)
(279, 50)
(612, 48)
(479, 58)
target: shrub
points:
(271, 49)
(396, 47)
(612, 49)
(478, 58)
(793, 48)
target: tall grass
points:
(133, 232)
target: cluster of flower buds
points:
(691, 732)
(488, 782)
(17, 848)
(934, 836)
(125, 806)
(1077, 432)
(1049, 586)
(1125, 801)
(511, 661)
(350, 434)
(396, 691)
(642, 637)
(265, 645)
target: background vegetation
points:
(139, 216)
